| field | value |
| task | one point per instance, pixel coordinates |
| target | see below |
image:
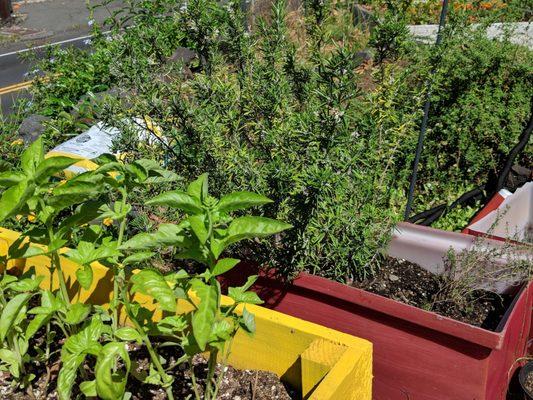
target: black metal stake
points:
(423, 127)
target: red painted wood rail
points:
(418, 355)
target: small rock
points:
(393, 278)
(32, 127)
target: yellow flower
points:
(32, 217)
(17, 142)
(108, 221)
(18, 217)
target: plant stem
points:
(56, 264)
(153, 354)
(194, 385)
(117, 270)
(211, 374)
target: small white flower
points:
(87, 41)
(90, 22)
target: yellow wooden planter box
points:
(321, 362)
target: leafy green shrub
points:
(289, 108)
(79, 211)
(481, 100)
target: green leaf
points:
(25, 285)
(38, 321)
(10, 312)
(11, 178)
(86, 252)
(51, 166)
(88, 388)
(224, 265)
(247, 321)
(110, 380)
(204, 316)
(138, 257)
(152, 283)
(84, 275)
(9, 358)
(67, 374)
(138, 171)
(85, 341)
(32, 156)
(74, 192)
(21, 248)
(179, 200)
(14, 198)
(128, 334)
(199, 188)
(240, 294)
(166, 235)
(77, 313)
(241, 200)
(198, 227)
(252, 227)
(172, 324)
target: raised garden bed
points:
(417, 354)
(317, 361)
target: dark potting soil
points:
(411, 284)
(528, 383)
(234, 385)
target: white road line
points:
(50, 44)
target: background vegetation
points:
(288, 104)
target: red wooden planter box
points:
(418, 355)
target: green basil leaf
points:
(166, 235)
(11, 178)
(224, 265)
(84, 275)
(25, 285)
(32, 156)
(199, 188)
(179, 200)
(74, 192)
(251, 227)
(14, 198)
(138, 257)
(77, 313)
(197, 223)
(241, 200)
(88, 388)
(52, 166)
(204, 316)
(128, 334)
(247, 321)
(152, 283)
(67, 374)
(38, 321)
(110, 380)
(11, 311)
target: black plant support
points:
(423, 127)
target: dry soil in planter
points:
(411, 284)
(235, 384)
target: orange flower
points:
(108, 221)
(32, 217)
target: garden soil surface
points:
(528, 383)
(234, 384)
(411, 284)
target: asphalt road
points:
(14, 68)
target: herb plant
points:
(81, 212)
